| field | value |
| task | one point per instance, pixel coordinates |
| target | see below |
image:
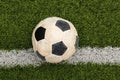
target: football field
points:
(96, 21)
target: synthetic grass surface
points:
(97, 21)
(62, 72)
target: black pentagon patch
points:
(40, 56)
(77, 42)
(59, 48)
(62, 25)
(40, 33)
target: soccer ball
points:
(55, 39)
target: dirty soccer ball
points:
(55, 39)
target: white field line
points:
(88, 54)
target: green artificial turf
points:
(97, 21)
(62, 72)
